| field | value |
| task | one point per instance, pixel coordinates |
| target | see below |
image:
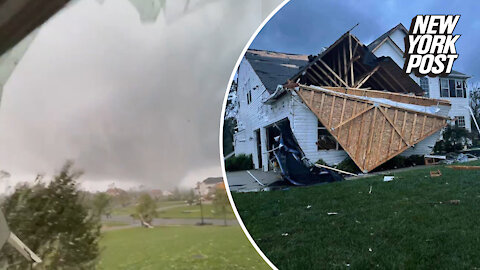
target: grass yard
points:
(193, 211)
(183, 247)
(400, 225)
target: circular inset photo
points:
(350, 136)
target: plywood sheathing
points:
(370, 132)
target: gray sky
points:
(323, 22)
(129, 102)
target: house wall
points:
(459, 105)
(258, 115)
(255, 115)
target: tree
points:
(146, 208)
(191, 197)
(101, 202)
(221, 203)
(54, 223)
(454, 139)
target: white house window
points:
(460, 121)
(325, 140)
(459, 88)
(249, 97)
(444, 90)
(452, 88)
(425, 86)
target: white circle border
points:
(220, 145)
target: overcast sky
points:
(305, 26)
(129, 102)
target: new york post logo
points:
(430, 45)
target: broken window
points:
(460, 121)
(325, 140)
(452, 88)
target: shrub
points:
(414, 160)
(239, 163)
(348, 165)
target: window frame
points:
(460, 119)
(442, 88)
(424, 81)
(338, 147)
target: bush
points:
(239, 163)
(348, 165)
(414, 160)
(454, 139)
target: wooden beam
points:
(370, 139)
(319, 76)
(334, 169)
(344, 51)
(353, 117)
(352, 78)
(350, 128)
(331, 111)
(333, 72)
(326, 74)
(393, 132)
(412, 134)
(359, 84)
(393, 125)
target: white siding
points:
(258, 115)
(398, 36)
(255, 115)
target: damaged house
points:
(346, 101)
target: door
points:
(259, 148)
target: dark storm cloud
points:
(305, 26)
(127, 101)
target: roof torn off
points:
(373, 129)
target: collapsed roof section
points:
(370, 126)
(349, 63)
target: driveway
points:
(251, 180)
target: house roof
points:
(370, 71)
(274, 68)
(377, 42)
(213, 180)
(458, 74)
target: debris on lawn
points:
(388, 178)
(309, 206)
(454, 202)
(436, 173)
(370, 249)
(332, 213)
(284, 234)
(459, 167)
(370, 191)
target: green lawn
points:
(185, 247)
(193, 211)
(109, 224)
(400, 225)
(130, 209)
